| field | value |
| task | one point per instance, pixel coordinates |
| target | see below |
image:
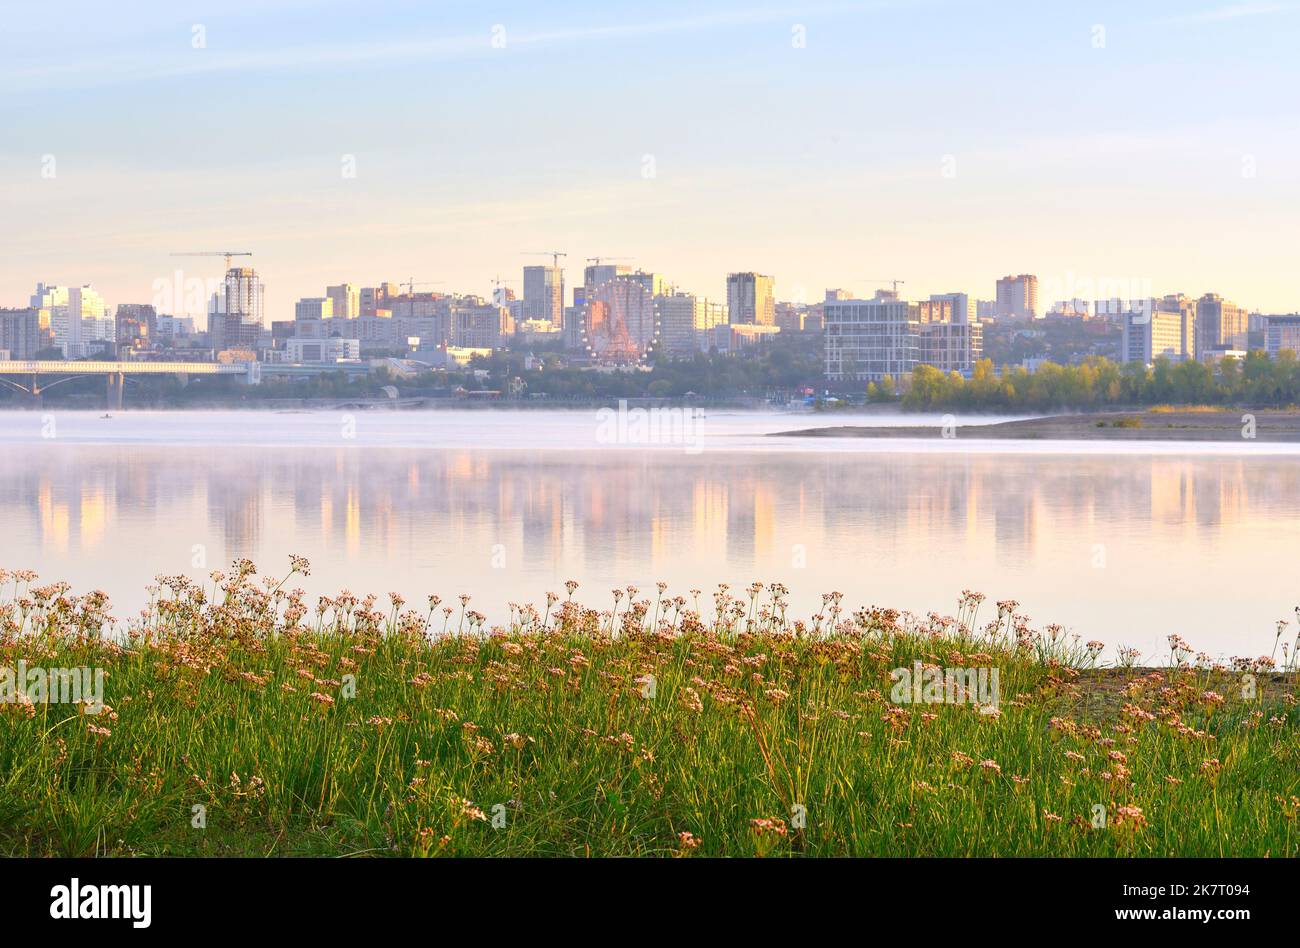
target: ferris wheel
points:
(619, 324)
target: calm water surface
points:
(1125, 543)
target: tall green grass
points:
(241, 721)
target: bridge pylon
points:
(116, 383)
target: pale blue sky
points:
(1164, 157)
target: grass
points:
(1189, 409)
(241, 721)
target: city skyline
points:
(824, 144)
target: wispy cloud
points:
(396, 52)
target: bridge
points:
(115, 373)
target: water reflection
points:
(1122, 548)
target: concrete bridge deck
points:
(116, 372)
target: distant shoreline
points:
(1229, 425)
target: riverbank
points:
(242, 721)
(1229, 425)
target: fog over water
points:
(1126, 543)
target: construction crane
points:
(216, 253)
(596, 261)
(411, 284)
(555, 255)
(886, 280)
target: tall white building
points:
(74, 316)
(865, 340)
(1156, 329)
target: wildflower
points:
(1130, 816)
(991, 766)
(768, 827)
(517, 741)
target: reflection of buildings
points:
(72, 519)
(878, 527)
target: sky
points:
(1112, 148)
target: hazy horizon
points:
(942, 142)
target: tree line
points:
(1098, 382)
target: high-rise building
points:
(73, 316)
(1158, 328)
(346, 299)
(597, 273)
(1017, 296)
(963, 307)
(751, 299)
(544, 294)
(98, 329)
(654, 283)
(1281, 333)
(136, 325)
(20, 333)
(314, 307)
(478, 324)
(685, 321)
(374, 298)
(866, 340)
(1220, 325)
(869, 339)
(235, 314)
